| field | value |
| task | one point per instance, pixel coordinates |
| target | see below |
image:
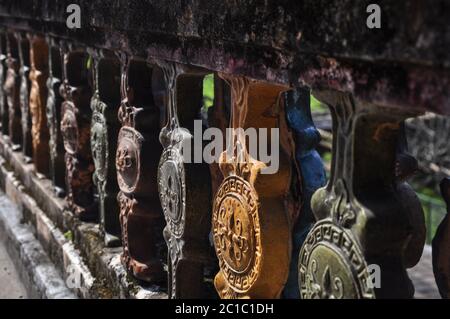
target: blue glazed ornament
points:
(307, 137)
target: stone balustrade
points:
(102, 114)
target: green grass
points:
(208, 91)
(316, 106)
(68, 235)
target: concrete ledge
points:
(40, 277)
(71, 245)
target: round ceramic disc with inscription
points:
(171, 186)
(332, 266)
(236, 230)
(99, 145)
(128, 159)
(69, 128)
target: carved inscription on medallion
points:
(362, 196)
(53, 115)
(104, 130)
(237, 235)
(69, 128)
(332, 265)
(75, 130)
(250, 220)
(128, 159)
(136, 161)
(172, 190)
(183, 186)
(99, 140)
(24, 71)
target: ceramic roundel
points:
(69, 127)
(99, 145)
(331, 265)
(172, 190)
(237, 233)
(128, 159)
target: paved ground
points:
(10, 285)
(423, 278)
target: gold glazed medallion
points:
(250, 219)
(237, 233)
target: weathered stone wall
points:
(319, 43)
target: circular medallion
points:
(69, 128)
(99, 145)
(171, 186)
(332, 266)
(50, 100)
(237, 233)
(128, 159)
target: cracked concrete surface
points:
(27, 257)
(11, 287)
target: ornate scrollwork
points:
(53, 115)
(126, 205)
(237, 233)
(24, 71)
(362, 196)
(69, 127)
(99, 140)
(174, 178)
(128, 162)
(135, 161)
(343, 211)
(332, 265)
(245, 221)
(75, 130)
(172, 190)
(333, 286)
(103, 142)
